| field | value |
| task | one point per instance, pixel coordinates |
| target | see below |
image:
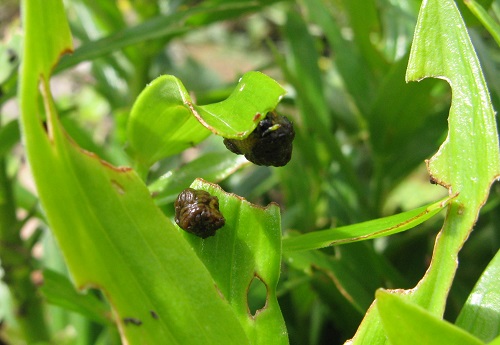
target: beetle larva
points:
(197, 212)
(269, 144)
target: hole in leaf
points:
(256, 295)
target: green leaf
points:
(467, 162)
(213, 167)
(364, 231)
(111, 234)
(480, 315)
(164, 120)
(58, 290)
(469, 159)
(160, 123)
(236, 117)
(248, 247)
(409, 324)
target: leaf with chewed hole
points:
(236, 117)
(165, 121)
(468, 161)
(248, 247)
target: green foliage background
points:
(362, 135)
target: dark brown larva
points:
(269, 144)
(197, 212)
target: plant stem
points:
(16, 262)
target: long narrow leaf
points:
(364, 231)
(111, 234)
(467, 162)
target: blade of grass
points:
(363, 231)
(488, 22)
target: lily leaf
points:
(111, 234)
(165, 121)
(160, 123)
(467, 162)
(363, 231)
(247, 248)
(409, 324)
(236, 117)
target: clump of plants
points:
(300, 218)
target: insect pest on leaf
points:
(197, 212)
(269, 144)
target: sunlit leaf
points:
(481, 312)
(467, 162)
(160, 123)
(110, 232)
(248, 247)
(164, 121)
(409, 324)
(469, 159)
(236, 117)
